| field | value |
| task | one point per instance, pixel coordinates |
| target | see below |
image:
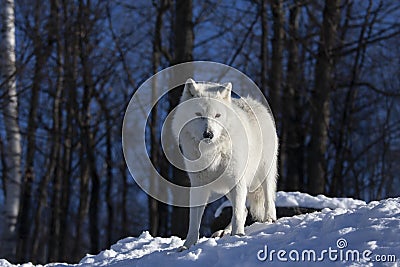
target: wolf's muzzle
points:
(208, 135)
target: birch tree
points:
(13, 135)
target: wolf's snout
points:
(208, 134)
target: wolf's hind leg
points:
(269, 186)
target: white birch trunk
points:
(13, 143)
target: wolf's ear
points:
(226, 91)
(191, 87)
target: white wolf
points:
(214, 126)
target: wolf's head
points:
(204, 114)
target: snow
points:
(297, 199)
(372, 230)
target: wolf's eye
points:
(217, 115)
(198, 114)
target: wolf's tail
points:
(256, 201)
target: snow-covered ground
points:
(304, 200)
(348, 233)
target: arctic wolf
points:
(230, 147)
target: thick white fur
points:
(258, 182)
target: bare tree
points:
(161, 7)
(264, 45)
(86, 25)
(291, 98)
(13, 145)
(42, 50)
(183, 51)
(321, 98)
(275, 72)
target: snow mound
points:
(365, 235)
(304, 200)
(297, 199)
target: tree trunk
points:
(276, 59)
(183, 49)
(94, 230)
(56, 213)
(110, 179)
(275, 71)
(338, 185)
(83, 205)
(42, 189)
(71, 51)
(55, 142)
(41, 52)
(321, 98)
(124, 202)
(153, 204)
(69, 84)
(13, 142)
(85, 49)
(291, 115)
(264, 46)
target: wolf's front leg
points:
(237, 196)
(228, 228)
(194, 226)
(196, 213)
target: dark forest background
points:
(329, 69)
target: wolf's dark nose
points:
(208, 134)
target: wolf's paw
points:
(239, 234)
(221, 233)
(269, 219)
(181, 248)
